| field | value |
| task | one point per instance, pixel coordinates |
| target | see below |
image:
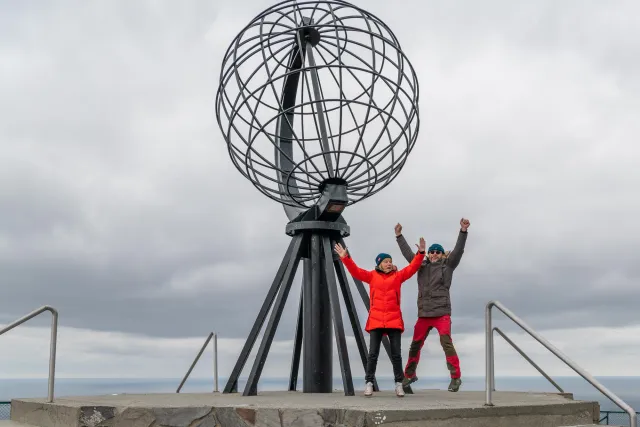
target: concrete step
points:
(9, 423)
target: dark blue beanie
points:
(436, 247)
(381, 257)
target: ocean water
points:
(627, 388)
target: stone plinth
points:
(433, 408)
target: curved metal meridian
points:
(283, 150)
(317, 90)
(284, 147)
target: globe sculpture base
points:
(325, 88)
(319, 307)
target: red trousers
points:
(422, 328)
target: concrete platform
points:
(433, 408)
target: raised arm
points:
(402, 243)
(415, 264)
(356, 272)
(456, 254)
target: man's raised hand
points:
(464, 224)
(398, 229)
(342, 252)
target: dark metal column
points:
(318, 346)
(307, 321)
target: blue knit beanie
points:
(381, 257)
(436, 247)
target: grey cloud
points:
(115, 184)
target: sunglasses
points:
(435, 252)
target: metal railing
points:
(528, 359)
(612, 417)
(54, 340)
(213, 336)
(490, 371)
(5, 411)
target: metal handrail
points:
(490, 377)
(215, 361)
(54, 340)
(607, 415)
(527, 358)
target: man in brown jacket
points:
(434, 302)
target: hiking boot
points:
(406, 382)
(368, 389)
(454, 385)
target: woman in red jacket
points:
(385, 316)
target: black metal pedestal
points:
(319, 312)
(317, 346)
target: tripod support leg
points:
(251, 388)
(232, 383)
(341, 341)
(297, 344)
(365, 299)
(353, 316)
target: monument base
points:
(433, 408)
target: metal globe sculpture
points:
(314, 92)
(319, 108)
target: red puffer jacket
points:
(384, 292)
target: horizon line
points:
(339, 379)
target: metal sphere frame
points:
(340, 145)
(326, 78)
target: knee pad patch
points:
(447, 345)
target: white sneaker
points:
(368, 389)
(399, 390)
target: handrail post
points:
(52, 352)
(489, 379)
(493, 358)
(52, 347)
(215, 361)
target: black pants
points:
(374, 350)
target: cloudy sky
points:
(121, 208)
